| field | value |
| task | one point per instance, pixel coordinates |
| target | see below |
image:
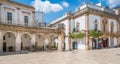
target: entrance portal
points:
(8, 42)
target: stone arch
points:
(9, 40)
(26, 33)
(40, 41)
(52, 38)
(9, 32)
(26, 41)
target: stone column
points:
(1, 41)
(59, 43)
(115, 41)
(18, 43)
(69, 33)
(33, 40)
(61, 40)
(87, 35)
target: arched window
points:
(112, 26)
(77, 26)
(95, 25)
(104, 25)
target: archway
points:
(40, 42)
(9, 42)
(53, 45)
(26, 42)
(105, 42)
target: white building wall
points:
(92, 19)
(81, 43)
(81, 20)
(72, 25)
(66, 23)
(17, 16)
(114, 24)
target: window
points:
(95, 25)
(112, 25)
(9, 17)
(77, 26)
(3, 37)
(26, 20)
(104, 25)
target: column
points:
(59, 43)
(18, 43)
(87, 35)
(67, 43)
(1, 41)
(33, 40)
(115, 42)
(109, 41)
(69, 33)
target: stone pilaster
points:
(18, 43)
(60, 43)
(87, 28)
(1, 42)
(61, 40)
(69, 33)
(33, 40)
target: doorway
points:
(75, 45)
(4, 47)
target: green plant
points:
(95, 34)
(80, 35)
(77, 35)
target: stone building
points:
(18, 31)
(91, 17)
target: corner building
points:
(91, 17)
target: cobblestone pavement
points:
(104, 56)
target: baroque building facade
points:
(91, 17)
(19, 32)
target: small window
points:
(104, 25)
(9, 17)
(77, 26)
(26, 20)
(95, 25)
(112, 25)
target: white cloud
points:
(113, 3)
(46, 6)
(65, 4)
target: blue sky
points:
(59, 7)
